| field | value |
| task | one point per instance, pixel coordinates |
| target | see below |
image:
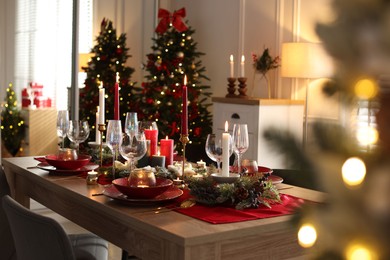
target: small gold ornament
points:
(180, 54)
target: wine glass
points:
(78, 132)
(151, 133)
(133, 148)
(113, 140)
(241, 142)
(62, 125)
(131, 124)
(214, 149)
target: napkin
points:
(223, 214)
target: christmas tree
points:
(174, 56)
(353, 222)
(109, 57)
(12, 128)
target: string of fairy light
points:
(353, 172)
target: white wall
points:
(7, 9)
(225, 27)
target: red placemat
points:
(221, 214)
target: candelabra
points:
(232, 87)
(101, 128)
(184, 140)
(242, 87)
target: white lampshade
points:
(84, 58)
(305, 60)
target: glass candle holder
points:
(142, 178)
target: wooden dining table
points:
(147, 235)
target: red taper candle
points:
(184, 116)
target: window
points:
(43, 48)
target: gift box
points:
(35, 91)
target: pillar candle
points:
(116, 100)
(157, 160)
(97, 132)
(231, 66)
(151, 134)
(101, 103)
(225, 151)
(166, 149)
(184, 116)
(242, 66)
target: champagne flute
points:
(78, 132)
(62, 125)
(214, 149)
(133, 148)
(113, 140)
(241, 142)
(131, 124)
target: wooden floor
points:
(71, 228)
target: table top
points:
(64, 194)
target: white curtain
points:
(43, 45)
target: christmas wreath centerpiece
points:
(246, 192)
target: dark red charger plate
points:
(54, 171)
(173, 192)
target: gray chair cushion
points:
(7, 246)
(40, 237)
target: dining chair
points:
(7, 246)
(41, 237)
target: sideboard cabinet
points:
(260, 114)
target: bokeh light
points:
(356, 251)
(353, 171)
(367, 135)
(366, 89)
(307, 235)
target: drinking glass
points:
(133, 148)
(78, 132)
(113, 140)
(151, 125)
(62, 125)
(241, 142)
(214, 149)
(131, 124)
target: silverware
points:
(32, 167)
(97, 194)
(183, 205)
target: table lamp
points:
(308, 61)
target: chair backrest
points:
(7, 246)
(36, 236)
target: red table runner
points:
(223, 214)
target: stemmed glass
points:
(214, 149)
(62, 125)
(78, 132)
(131, 124)
(113, 140)
(133, 148)
(241, 142)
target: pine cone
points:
(241, 194)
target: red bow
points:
(176, 20)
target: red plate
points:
(171, 193)
(123, 186)
(53, 160)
